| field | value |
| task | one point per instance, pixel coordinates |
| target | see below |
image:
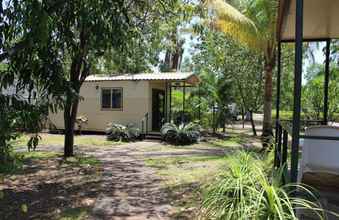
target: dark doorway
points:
(158, 109)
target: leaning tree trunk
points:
(243, 117)
(267, 122)
(253, 124)
(224, 124)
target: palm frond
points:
(232, 22)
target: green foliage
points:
(287, 77)
(118, 132)
(18, 115)
(191, 107)
(158, 20)
(53, 46)
(182, 134)
(245, 191)
(230, 73)
(313, 92)
(19, 158)
(253, 24)
(12, 165)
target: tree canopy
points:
(55, 45)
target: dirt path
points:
(132, 191)
(121, 188)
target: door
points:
(158, 109)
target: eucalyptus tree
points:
(248, 81)
(58, 43)
(230, 72)
(177, 27)
(216, 88)
(252, 23)
(313, 92)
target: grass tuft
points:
(245, 191)
(82, 160)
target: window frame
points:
(111, 89)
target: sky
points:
(319, 58)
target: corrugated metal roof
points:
(176, 76)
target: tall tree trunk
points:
(72, 102)
(79, 71)
(267, 123)
(70, 114)
(224, 124)
(69, 131)
(243, 117)
(214, 120)
(253, 125)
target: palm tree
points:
(252, 23)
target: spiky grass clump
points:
(118, 132)
(244, 191)
(183, 134)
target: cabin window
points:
(111, 99)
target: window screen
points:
(116, 98)
(106, 98)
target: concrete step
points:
(153, 136)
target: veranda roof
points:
(321, 20)
(298, 21)
(187, 77)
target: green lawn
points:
(58, 139)
(23, 158)
(91, 141)
(187, 169)
(187, 175)
(192, 168)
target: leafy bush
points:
(180, 135)
(118, 132)
(246, 192)
(18, 115)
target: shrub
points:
(245, 191)
(18, 115)
(180, 135)
(118, 132)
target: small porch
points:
(161, 103)
(306, 148)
